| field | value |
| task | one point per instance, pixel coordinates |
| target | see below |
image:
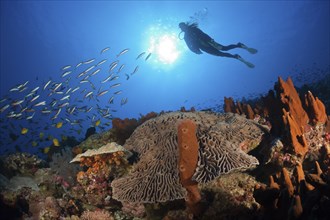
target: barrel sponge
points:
(155, 177)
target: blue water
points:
(38, 38)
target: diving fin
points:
(251, 65)
(249, 49)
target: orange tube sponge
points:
(188, 157)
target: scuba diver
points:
(197, 40)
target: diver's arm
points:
(192, 46)
(194, 49)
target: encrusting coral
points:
(155, 177)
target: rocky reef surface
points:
(263, 160)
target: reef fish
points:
(123, 52)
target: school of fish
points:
(81, 93)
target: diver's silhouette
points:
(197, 40)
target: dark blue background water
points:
(38, 38)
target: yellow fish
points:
(98, 122)
(46, 150)
(59, 124)
(24, 130)
(41, 135)
(34, 143)
(56, 142)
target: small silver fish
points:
(65, 97)
(120, 68)
(123, 101)
(88, 94)
(102, 93)
(72, 110)
(68, 91)
(127, 76)
(30, 117)
(57, 87)
(28, 95)
(58, 112)
(114, 78)
(66, 67)
(14, 89)
(46, 111)
(22, 89)
(107, 79)
(101, 62)
(45, 86)
(40, 103)
(34, 98)
(123, 52)
(3, 108)
(96, 71)
(89, 109)
(79, 64)
(140, 55)
(83, 81)
(66, 73)
(35, 89)
(25, 83)
(135, 70)
(90, 68)
(147, 57)
(89, 61)
(105, 49)
(118, 92)
(75, 89)
(81, 74)
(64, 104)
(113, 65)
(115, 85)
(111, 100)
(18, 102)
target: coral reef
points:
(104, 164)
(120, 131)
(123, 128)
(23, 164)
(315, 109)
(290, 120)
(297, 148)
(182, 163)
(295, 195)
(59, 163)
(238, 108)
(96, 215)
(155, 177)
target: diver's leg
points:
(239, 45)
(244, 61)
(231, 46)
(216, 45)
(249, 49)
